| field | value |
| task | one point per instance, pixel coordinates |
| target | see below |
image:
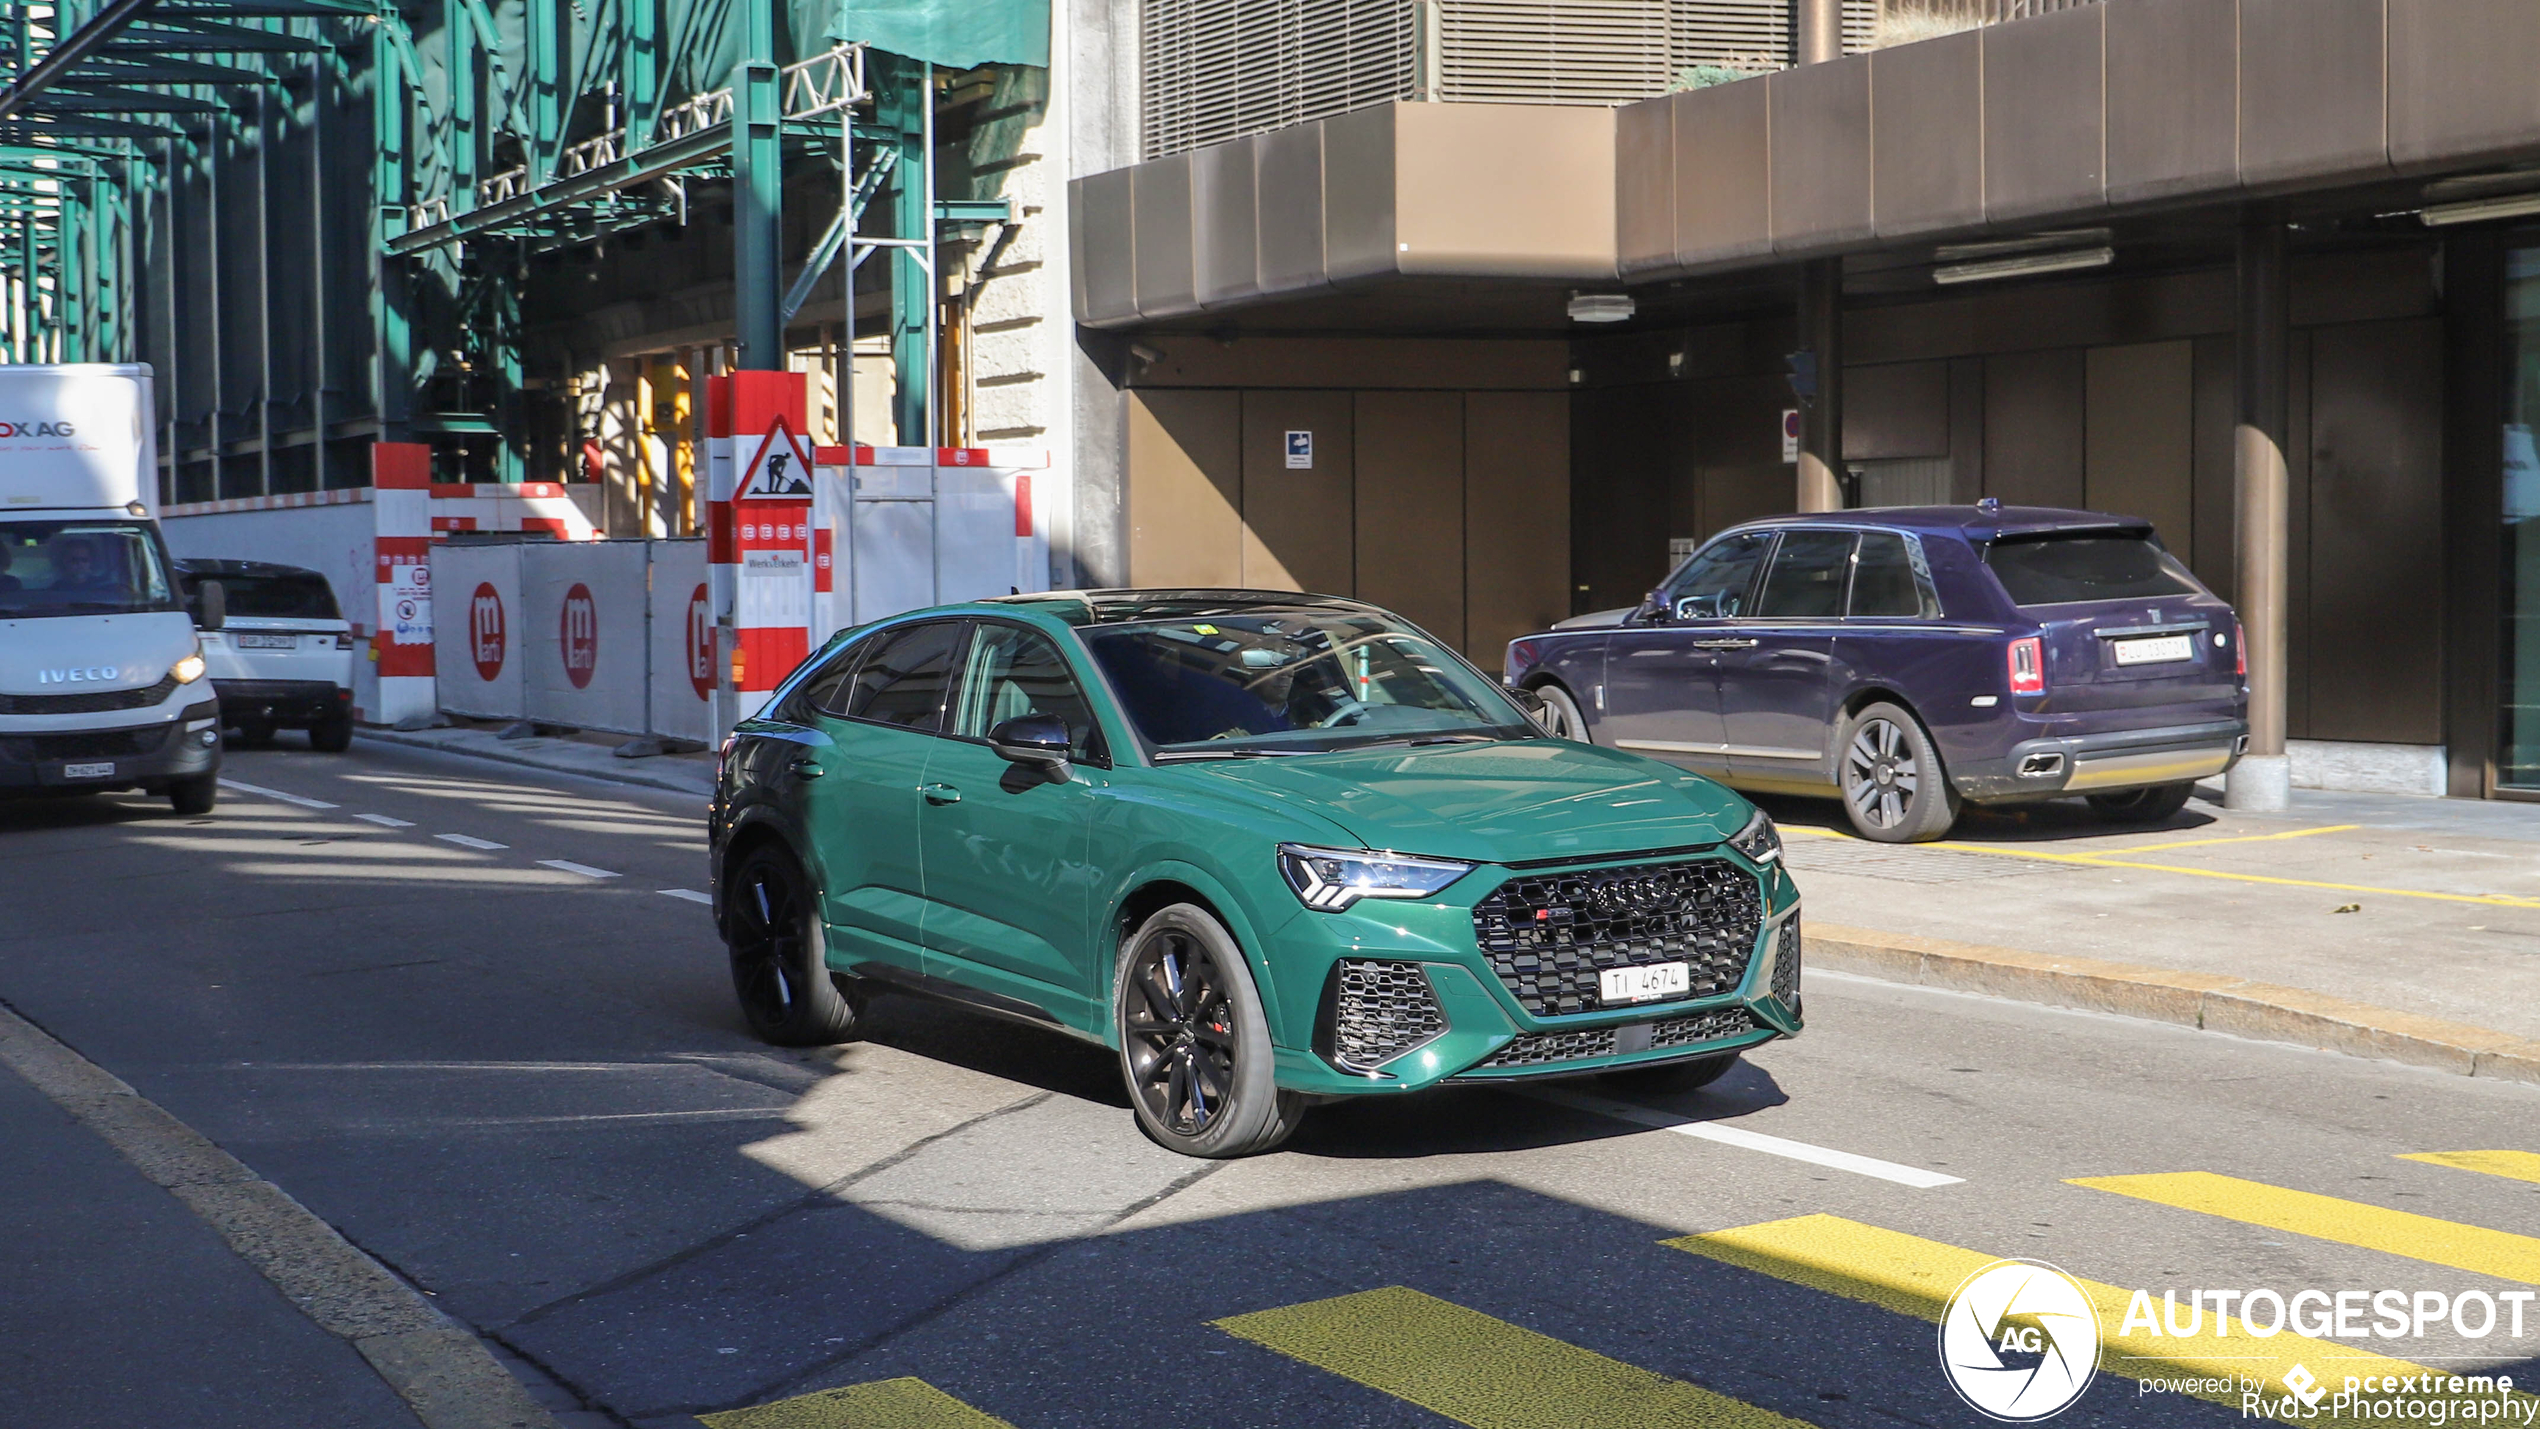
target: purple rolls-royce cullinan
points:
(1913, 659)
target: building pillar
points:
(2263, 778)
(1820, 30)
(1820, 38)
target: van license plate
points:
(2155, 650)
(267, 642)
(88, 771)
(1642, 984)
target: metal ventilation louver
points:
(1213, 70)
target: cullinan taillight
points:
(2028, 666)
(2240, 649)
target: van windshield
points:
(52, 568)
(1295, 681)
(2063, 570)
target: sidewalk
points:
(589, 757)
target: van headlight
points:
(1759, 840)
(1330, 879)
(187, 670)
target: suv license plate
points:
(267, 642)
(2155, 650)
(88, 771)
(1642, 984)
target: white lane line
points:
(566, 865)
(385, 822)
(469, 841)
(690, 894)
(262, 791)
(1746, 1140)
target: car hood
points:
(1598, 619)
(91, 652)
(1518, 801)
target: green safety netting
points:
(957, 34)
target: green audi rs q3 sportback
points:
(1271, 848)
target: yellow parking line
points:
(2242, 839)
(2521, 1165)
(1481, 1371)
(1913, 1276)
(882, 1404)
(2438, 1242)
(2110, 860)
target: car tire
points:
(1913, 801)
(2142, 806)
(1686, 1076)
(332, 736)
(1194, 1043)
(780, 970)
(195, 795)
(1562, 718)
(254, 733)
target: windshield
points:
(2061, 570)
(1273, 681)
(295, 595)
(80, 568)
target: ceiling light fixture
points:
(2025, 264)
(1601, 307)
(2477, 210)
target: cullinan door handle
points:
(1724, 645)
(805, 769)
(940, 793)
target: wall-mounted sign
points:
(1300, 451)
(1790, 434)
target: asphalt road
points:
(455, 1013)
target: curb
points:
(703, 788)
(439, 1368)
(2211, 1002)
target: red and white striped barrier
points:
(401, 476)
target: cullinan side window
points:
(1891, 577)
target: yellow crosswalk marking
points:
(1485, 1372)
(2521, 1165)
(1914, 1276)
(2472, 1248)
(883, 1404)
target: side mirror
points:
(1653, 609)
(1533, 705)
(211, 603)
(1038, 740)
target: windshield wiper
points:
(1175, 756)
(1416, 741)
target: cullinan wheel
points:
(1194, 1044)
(771, 926)
(2142, 806)
(1561, 716)
(1684, 1076)
(1893, 786)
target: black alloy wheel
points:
(1194, 1044)
(1894, 789)
(2142, 806)
(1561, 716)
(771, 927)
(333, 735)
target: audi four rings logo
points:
(1635, 893)
(2019, 1341)
(37, 429)
(76, 676)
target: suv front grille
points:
(1380, 1010)
(100, 744)
(1537, 1049)
(1786, 964)
(1548, 937)
(89, 701)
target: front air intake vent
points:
(1377, 1011)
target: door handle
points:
(805, 769)
(1724, 645)
(940, 793)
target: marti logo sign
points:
(580, 635)
(485, 631)
(38, 429)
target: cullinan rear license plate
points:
(2156, 649)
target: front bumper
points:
(2051, 766)
(145, 756)
(1474, 1028)
(284, 702)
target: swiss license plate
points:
(247, 641)
(89, 771)
(2155, 650)
(1643, 984)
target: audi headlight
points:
(187, 670)
(1330, 879)
(1759, 840)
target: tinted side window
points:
(1014, 672)
(1889, 578)
(1715, 582)
(825, 692)
(904, 679)
(1806, 580)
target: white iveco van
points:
(101, 678)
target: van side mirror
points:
(1034, 740)
(211, 605)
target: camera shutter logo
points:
(2019, 1341)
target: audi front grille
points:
(1376, 1011)
(1548, 936)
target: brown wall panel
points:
(2376, 537)
(2460, 77)
(1099, 213)
(2043, 145)
(1298, 524)
(2138, 434)
(1516, 518)
(1897, 409)
(2173, 92)
(2216, 557)
(1410, 507)
(1358, 193)
(1225, 263)
(2033, 405)
(1185, 481)
(1160, 211)
(1927, 147)
(1821, 153)
(2297, 524)
(1619, 486)
(1288, 191)
(1723, 180)
(1324, 363)
(2311, 85)
(1645, 184)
